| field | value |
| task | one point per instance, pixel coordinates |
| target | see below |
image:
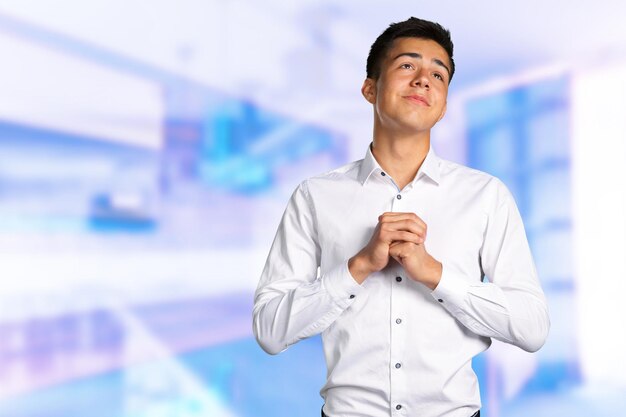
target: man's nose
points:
(421, 79)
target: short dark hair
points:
(410, 28)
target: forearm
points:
(518, 316)
(282, 316)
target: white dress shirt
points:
(393, 346)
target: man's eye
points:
(406, 66)
(438, 76)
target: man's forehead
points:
(416, 45)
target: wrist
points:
(359, 268)
(433, 274)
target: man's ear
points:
(369, 90)
(443, 112)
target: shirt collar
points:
(430, 167)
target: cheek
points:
(381, 96)
(443, 91)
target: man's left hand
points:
(418, 263)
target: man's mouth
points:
(418, 99)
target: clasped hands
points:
(400, 236)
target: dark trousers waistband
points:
(476, 414)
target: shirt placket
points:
(398, 336)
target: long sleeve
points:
(291, 302)
(511, 307)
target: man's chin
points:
(415, 128)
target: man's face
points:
(410, 94)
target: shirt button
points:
(399, 279)
(383, 174)
(398, 407)
(398, 321)
(440, 300)
(398, 365)
(399, 197)
(351, 296)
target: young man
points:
(403, 240)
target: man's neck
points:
(401, 157)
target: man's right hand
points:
(391, 227)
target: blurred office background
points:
(148, 149)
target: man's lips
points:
(418, 99)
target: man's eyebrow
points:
(419, 56)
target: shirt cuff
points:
(452, 290)
(341, 286)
